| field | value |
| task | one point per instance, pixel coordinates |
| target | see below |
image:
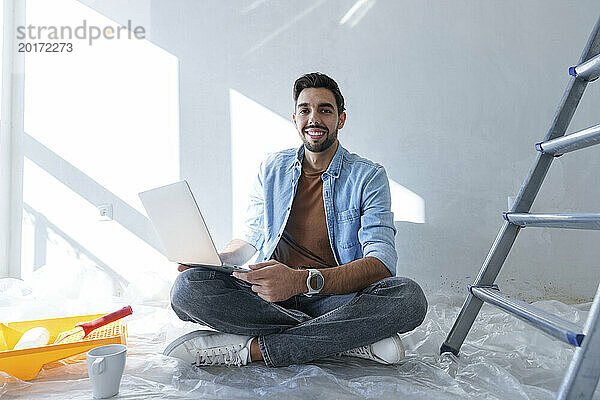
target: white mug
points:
(105, 367)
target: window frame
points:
(11, 141)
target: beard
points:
(319, 147)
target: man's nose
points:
(313, 118)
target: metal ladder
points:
(582, 376)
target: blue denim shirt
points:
(356, 197)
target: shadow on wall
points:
(43, 231)
(90, 190)
(62, 225)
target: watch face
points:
(314, 282)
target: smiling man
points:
(320, 220)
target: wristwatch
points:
(314, 282)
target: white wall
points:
(450, 96)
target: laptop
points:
(180, 226)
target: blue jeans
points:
(300, 329)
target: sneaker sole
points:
(400, 345)
(175, 343)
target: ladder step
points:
(588, 70)
(575, 141)
(589, 221)
(557, 327)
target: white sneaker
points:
(211, 348)
(387, 351)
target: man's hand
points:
(274, 281)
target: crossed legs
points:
(300, 329)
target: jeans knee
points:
(188, 288)
(420, 303)
(413, 304)
(179, 291)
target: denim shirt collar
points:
(334, 166)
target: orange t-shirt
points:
(304, 242)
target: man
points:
(320, 219)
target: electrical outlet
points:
(105, 212)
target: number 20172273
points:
(43, 47)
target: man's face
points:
(316, 119)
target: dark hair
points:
(319, 80)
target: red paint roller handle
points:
(105, 319)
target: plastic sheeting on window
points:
(502, 358)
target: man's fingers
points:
(255, 274)
(241, 276)
(262, 292)
(255, 277)
(257, 288)
(262, 265)
(249, 277)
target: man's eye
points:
(326, 110)
(302, 111)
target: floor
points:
(502, 358)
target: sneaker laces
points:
(362, 351)
(228, 355)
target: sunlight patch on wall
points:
(255, 132)
(357, 12)
(406, 205)
(109, 108)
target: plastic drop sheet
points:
(502, 358)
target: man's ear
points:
(342, 120)
(294, 118)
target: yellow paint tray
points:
(25, 364)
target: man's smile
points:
(315, 133)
